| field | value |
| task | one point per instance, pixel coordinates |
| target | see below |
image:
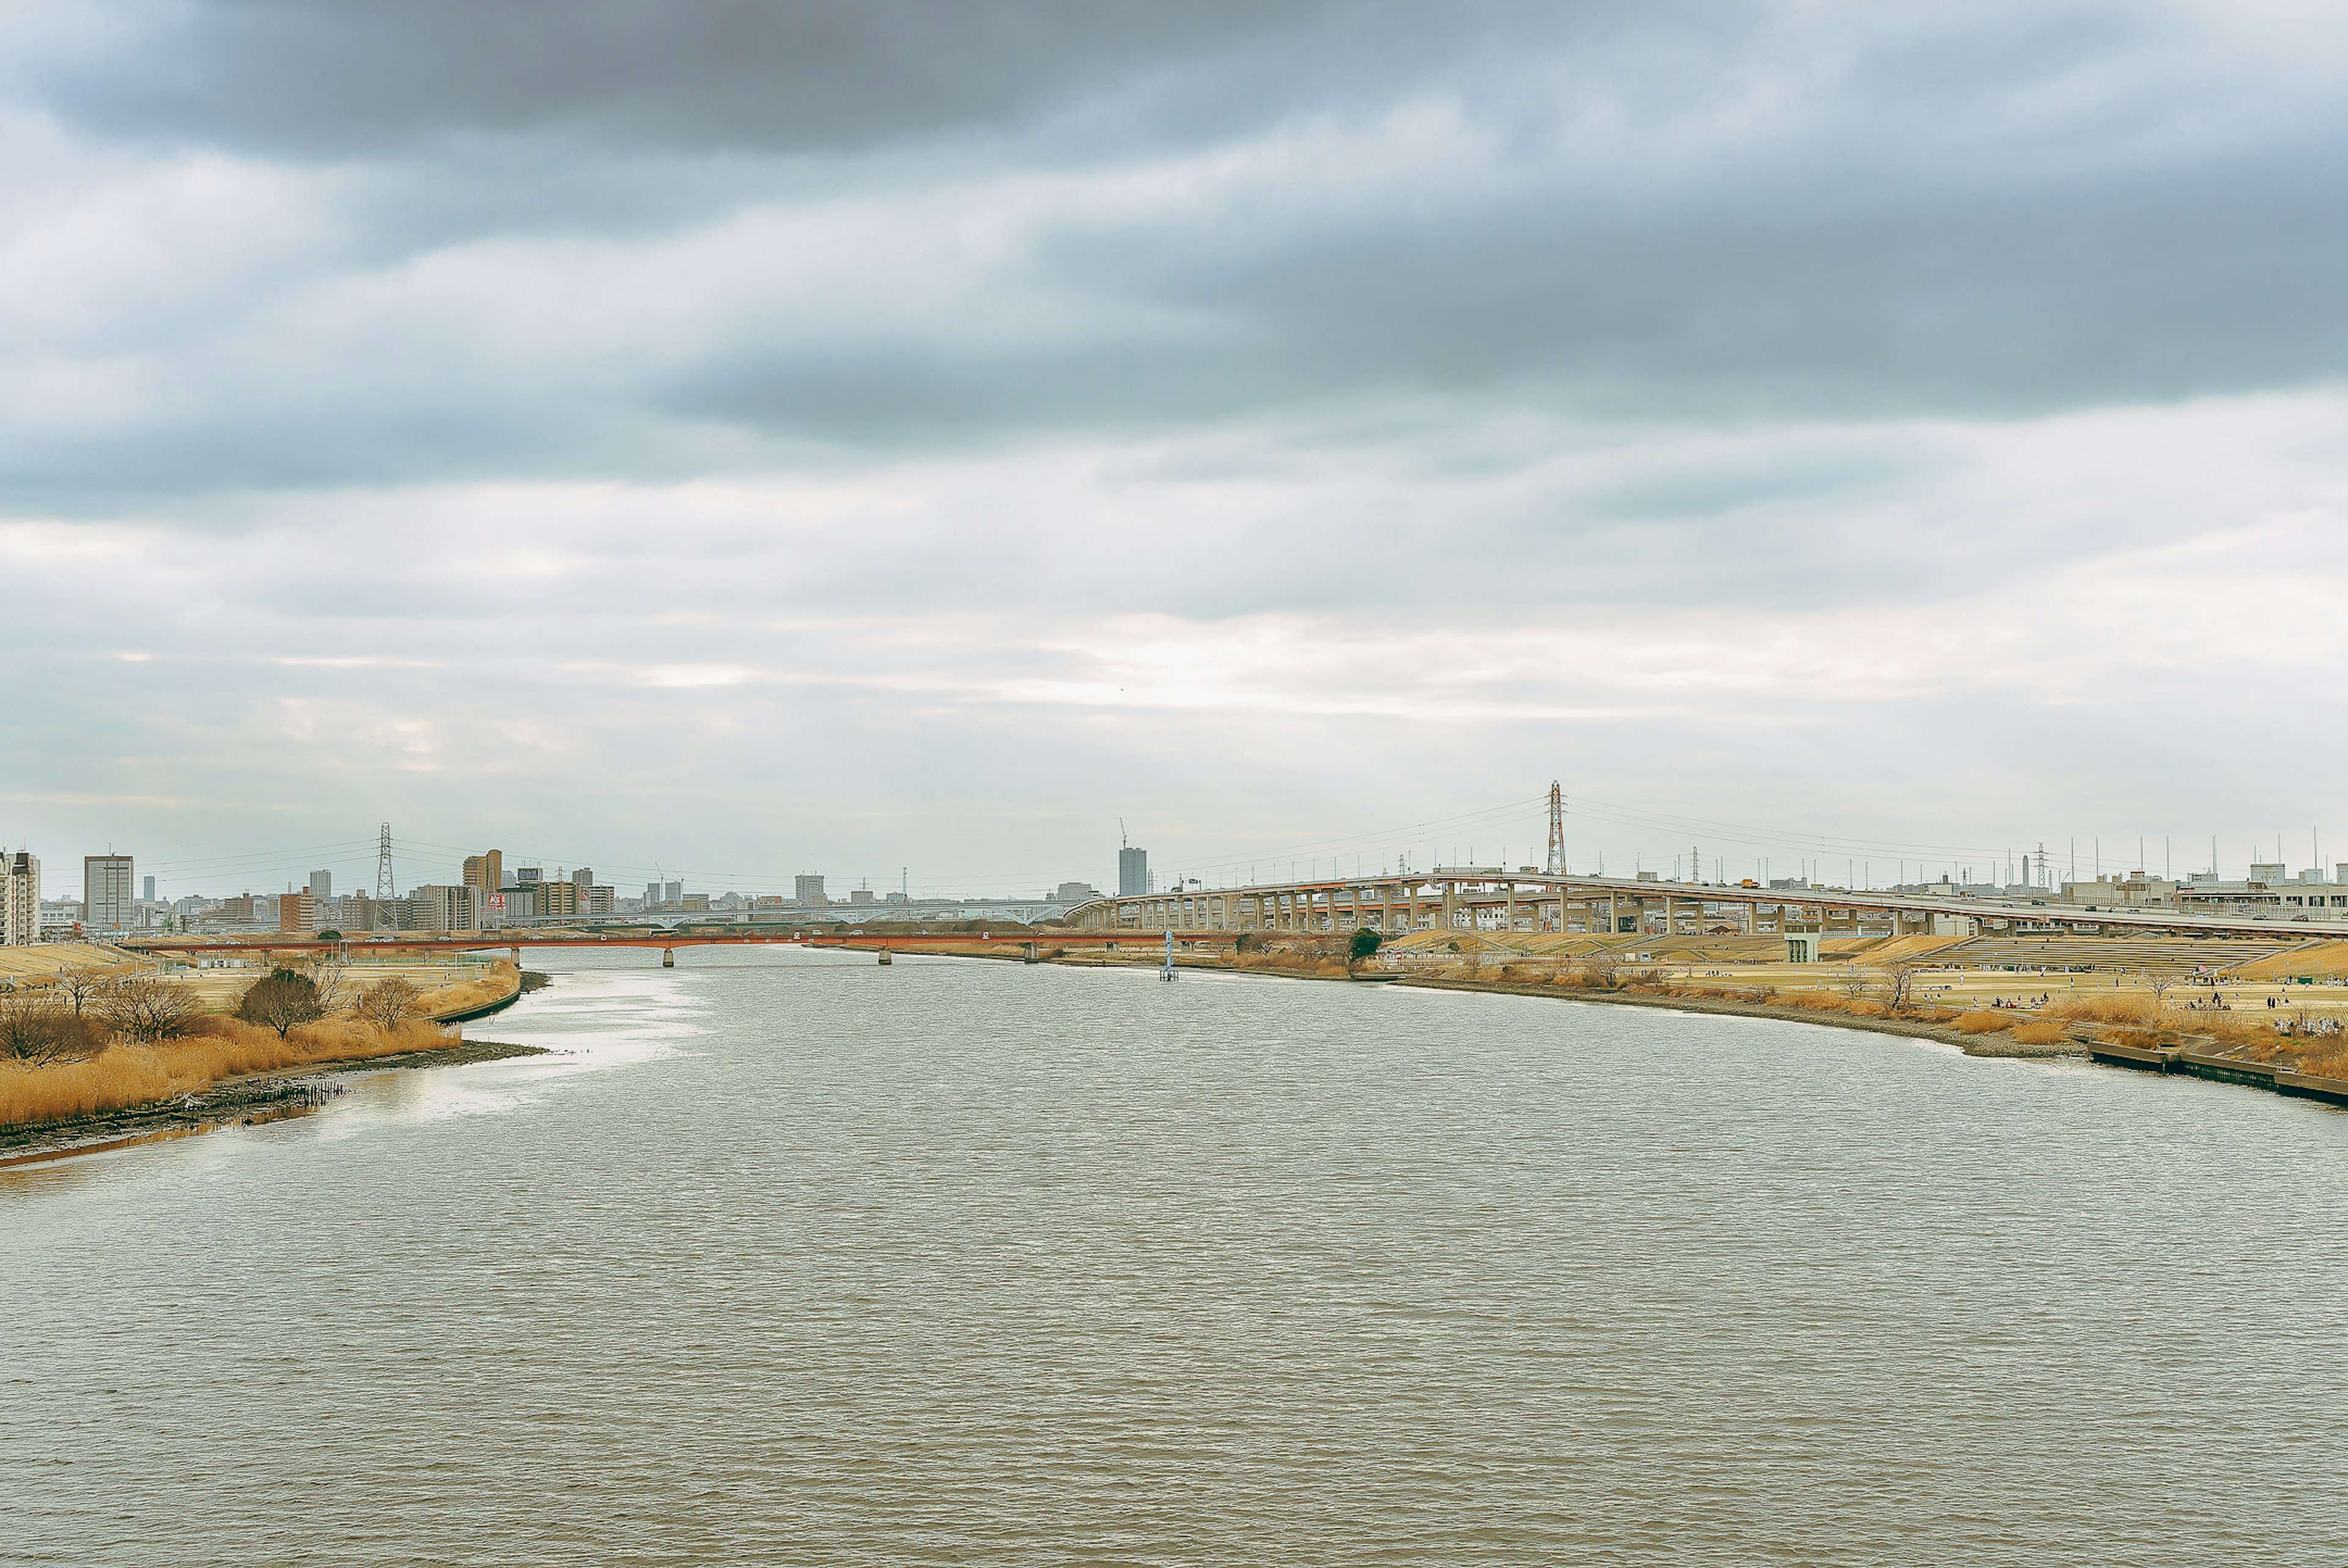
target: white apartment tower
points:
(20, 899)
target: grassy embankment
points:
(214, 1047)
(2132, 1018)
(2127, 1019)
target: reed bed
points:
(215, 1047)
(447, 1000)
(2328, 1062)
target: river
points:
(792, 1257)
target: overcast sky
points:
(742, 438)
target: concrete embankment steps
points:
(2202, 1063)
(2169, 955)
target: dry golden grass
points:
(1309, 966)
(2119, 1007)
(1986, 1022)
(2041, 1031)
(2331, 1061)
(217, 1047)
(1826, 1001)
(448, 1001)
(2327, 958)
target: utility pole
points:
(1695, 866)
(1555, 829)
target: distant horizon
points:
(630, 882)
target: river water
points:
(793, 1258)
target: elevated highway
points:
(1490, 899)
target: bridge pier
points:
(668, 958)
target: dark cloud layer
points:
(339, 77)
(1054, 221)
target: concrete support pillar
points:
(668, 958)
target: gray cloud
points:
(1184, 217)
(338, 77)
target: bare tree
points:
(79, 987)
(337, 991)
(1899, 987)
(37, 1027)
(279, 1000)
(146, 1007)
(389, 1002)
(2158, 982)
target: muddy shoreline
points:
(234, 1102)
(1999, 1045)
(1988, 1045)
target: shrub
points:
(1364, 944)
(146, 1008)
(35, 1028)
(280, 1001)
(388, 1003)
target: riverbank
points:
(242, 1101)
(214, 1048)
(1989, 1045)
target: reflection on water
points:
(787, 1258)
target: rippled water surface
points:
(791, 1257)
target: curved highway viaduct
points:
(1482, 899)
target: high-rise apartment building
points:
(441, 908)
(583, 878)
(651, 895)
(297, 913)
(809, 890)
(1132, 872)
(321, 887)
(148, 895)
(20, 899)
(107, 902)
(486, 871)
